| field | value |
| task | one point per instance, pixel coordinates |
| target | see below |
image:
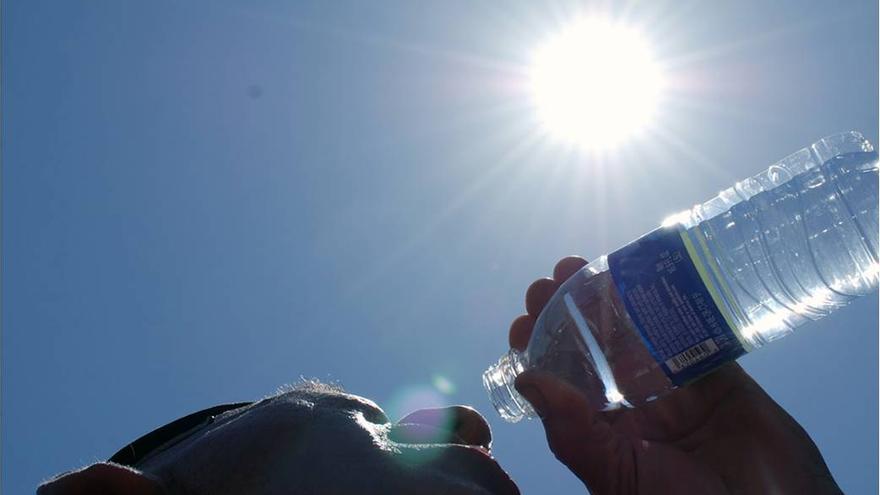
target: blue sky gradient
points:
(204, 200)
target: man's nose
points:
(465, 423)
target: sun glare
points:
(596, 83)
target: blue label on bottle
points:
(672, 307)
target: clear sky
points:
(204, 200)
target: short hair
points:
(309, 386)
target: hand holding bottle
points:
(721, 434)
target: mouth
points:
(477, 464)
(466, 460)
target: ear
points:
(103, 478)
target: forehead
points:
(299, 401)
(300, 409)
(293, 412)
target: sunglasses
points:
(165, 437)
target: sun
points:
(596, 83)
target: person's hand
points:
(720, 435)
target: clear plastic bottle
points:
(745, 268)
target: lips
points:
(460, 424)
(476, 464)
(454, 442)
(472, 464)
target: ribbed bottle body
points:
(796, 242)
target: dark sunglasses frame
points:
(169, 435)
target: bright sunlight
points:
(596, 83)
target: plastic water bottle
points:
(745, 268)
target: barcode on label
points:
(692, 355)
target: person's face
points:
(334, 443)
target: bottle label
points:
(670, 301)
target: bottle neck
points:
(499, 383)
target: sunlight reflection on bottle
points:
(612, 393)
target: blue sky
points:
(205, 200)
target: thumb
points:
(577, 435)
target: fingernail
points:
(535, 398)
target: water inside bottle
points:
(798, 250)
(592, 343)
(782, 255)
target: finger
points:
(521, 331)
(566, 267)
(578, 436)
(538, 294)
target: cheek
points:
(351, 457)
(345, 445)
(252, 455)
(331, 454)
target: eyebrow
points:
(310, 386)
(331, 395)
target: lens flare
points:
(443, 385)
(413, 398)
(424, 427)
